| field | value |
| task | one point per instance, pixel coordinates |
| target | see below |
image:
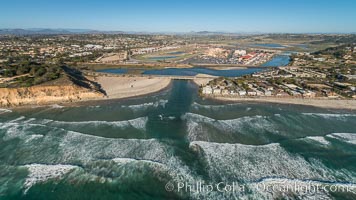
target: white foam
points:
(139, 107)
(173, 167)
(20, 130)
(346, 137)
(162, 103)
(212, 107)
(12, 131)
(56, 106)
(331, 115)
(29, 120)
(138, 123)
(3, 110)
(171, 118)
(17, 119)
(304, 189)
(252, 163)
(76, 146)
(41, 173)
(130, 160)
(243, 124)
(319, 139)
(33, 137)
(195, 131)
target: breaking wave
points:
(17, 119)
(138, 123)
(196, 128)
(331, 115)
(41, 173)
(56, 106)
(304, 189)
(138, 107)
(212, 107)
(2, 111)
(345, 137)
(319, 139)
(252, 163)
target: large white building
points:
(238, 53)
(207, 90)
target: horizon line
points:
(172, 32)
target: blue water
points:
(279, 60)
(162, 58)
(190, 71)
(115, 71)
(176, 53)
(201, 70)
(132, 148)
(269, 45)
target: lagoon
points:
(188, 71)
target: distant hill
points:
(39, 31)
(212, 33)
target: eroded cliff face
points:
(43, 95)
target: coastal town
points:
(328, 73)
(285, 82)
(323, 73)
(178, 100)
(101, 48)
(125, 49)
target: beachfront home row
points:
(216, 90)
(258, 90)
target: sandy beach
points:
(322, 103)
(112, 87)
(123, 87)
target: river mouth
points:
(174, 137)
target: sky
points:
(268, 16)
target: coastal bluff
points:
(44, 95)
(73, 86)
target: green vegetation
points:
(26, 73)
(337, 52)
(336, 39)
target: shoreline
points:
(320, 103)
(116, 88)
(101, 101)
(124, 87)
(127, 87)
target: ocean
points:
(176, 145)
